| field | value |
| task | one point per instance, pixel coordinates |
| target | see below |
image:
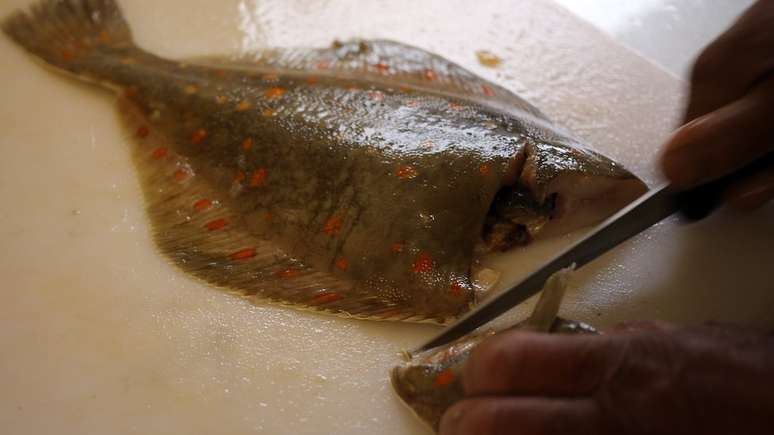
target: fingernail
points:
(679, 159)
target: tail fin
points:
(82, 37)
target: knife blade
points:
(649, 209)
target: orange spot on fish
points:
(67, 55)
(267, 113)
(444, 378)
(311, 81)
(406, 172)
(104, 37)
(430, 75)
(455, 289)
(220, 73)
(258, 177)
(268, 216)
(247, 144)
(142, 132)
(243, 254)
(332, 226)
(423, 263)
(160, 153)
(487, 91)
(216, 224)
(382, 67)
(322, 65)
(396, 248)
(131, 91)
(274, 92)
(484, 170)
(287, 273)
(243, 105)
(190, 89)
(202, 204)
(220, 99)
(198, 136)
(376, 95)
(342, 263)
(182, 175)
(455, 106)
(325, 298)
(239, 176)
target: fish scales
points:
(355, 179)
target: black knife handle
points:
(699, 202)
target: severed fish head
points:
(430, 382)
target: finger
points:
(521, 416)
(752, 192)
(722, 141)
(536, 364)
(733, 63)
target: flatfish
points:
(363, 179)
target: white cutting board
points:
(100, 335)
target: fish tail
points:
(86, 38)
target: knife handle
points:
(699, 202)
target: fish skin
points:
(353, 150)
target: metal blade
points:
(647, 210)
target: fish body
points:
(357, 179)
(430, 382)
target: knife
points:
(652, 207)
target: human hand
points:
(729, 119)
(647, 378)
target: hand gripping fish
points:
(430, 382)
(363, 180)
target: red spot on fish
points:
(484, 170)
(423, 263)
(239, 176)
(198, 136)
(67, 55)
(274, 92)
(216, 224)
(428, 145)
(342, 264)
(444, 378)
(430, 75)
(325, 298)
(142, 132)
(220, 73)
(455, 106)
(243, 254)
(247, 144)
(268, 216)
(258, 177)
(131, 92)
(160, 152)
(332, 226)
(322, 65)
(382, 67)
(376, 95)
(487, 91)
(104, 37)
(202, 204)
(182, 175)
(396, 248)
(287, 273)
(455, 289)
(311, 81)
(242, 106)
(406, 172)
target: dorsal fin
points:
(386, 62)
